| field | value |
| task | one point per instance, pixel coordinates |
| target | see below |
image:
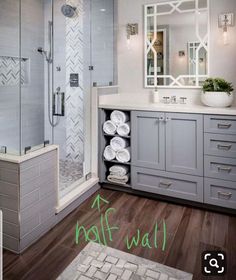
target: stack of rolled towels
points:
(119, 147)
(118, 123)
(118, 174)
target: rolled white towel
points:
(123, 129)
(123, 155)
(109, 153)
(118, 179)
(118, 117)
(118, 143)
(109, 127)
(118, 170)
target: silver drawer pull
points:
(224, 126)
(165, 184)
(224, 147)
(227, 169)
(226, 195)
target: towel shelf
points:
(105, 139)
(116, 135)
(117, 162)
(117, 184)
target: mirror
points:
(176, 43)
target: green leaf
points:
(217, 85)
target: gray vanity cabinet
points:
(184, 155)
(184, 143)
(148, 139)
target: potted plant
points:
(216, 92)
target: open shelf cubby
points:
(104, 165)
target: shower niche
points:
(14, 71)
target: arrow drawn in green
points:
(97, 202)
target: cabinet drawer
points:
(220, 145)
(220, 193)
(220, 124)
(166, 183)
(221, 168)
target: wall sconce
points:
(181, 53)
(225, 21)
(131, 29)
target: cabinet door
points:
(184, 143)
(148, 139)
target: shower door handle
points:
(59, 104)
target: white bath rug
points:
(104, 263)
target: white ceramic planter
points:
(217, 99)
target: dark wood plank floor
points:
(189, 232)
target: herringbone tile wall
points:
(74, 95)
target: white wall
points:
(131, 61)
(102, 41)
(223, 58)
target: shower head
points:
(68, 10)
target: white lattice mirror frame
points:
(203, 42)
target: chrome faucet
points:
(173, 100)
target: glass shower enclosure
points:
(51, 54)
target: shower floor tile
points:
(70, 172)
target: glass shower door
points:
(11, 77)
(71, 89)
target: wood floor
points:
(189, 232)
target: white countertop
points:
(30, 155)
(144, 102)
(194, 109)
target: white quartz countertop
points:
(30, 155)
(160, 107)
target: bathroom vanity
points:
(180, 152)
